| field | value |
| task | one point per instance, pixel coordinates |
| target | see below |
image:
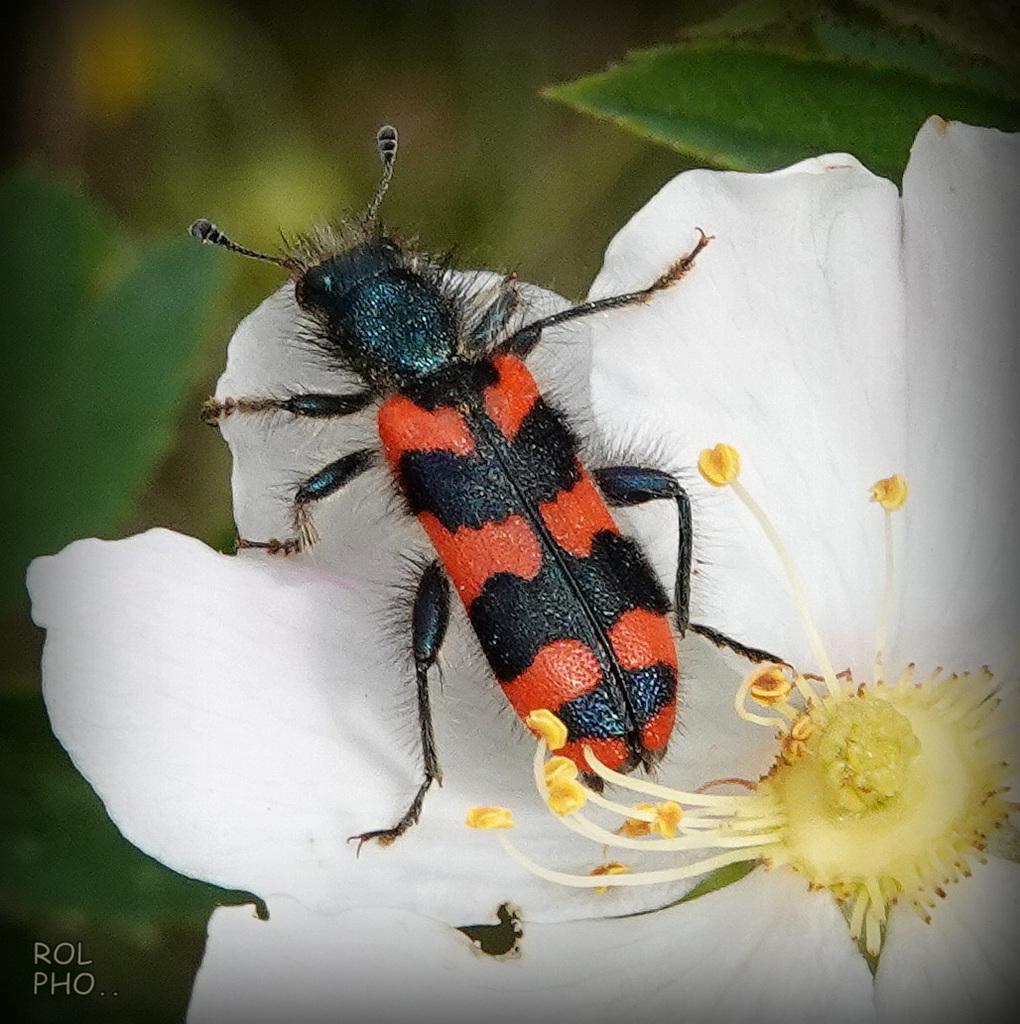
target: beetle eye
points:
(388, 246)
(314, 287)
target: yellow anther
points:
(489, 817)
(891, 493)
(545, 724)
(567, 796)
(770, 685)
(794, 743)
(634, 827)
(614, 867)
(719, 465)
(658, 819)
(667, 818)
(559, 769)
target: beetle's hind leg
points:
(322, 484)
(429, 618)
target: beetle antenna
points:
(205, 231)
(386, 143)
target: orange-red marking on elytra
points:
(561, 670)
(611, 752)
(471, 556)
(574, 516)
(405, 426)
(655, 733)
(510, 399)
(641, 638)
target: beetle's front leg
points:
(313, 406)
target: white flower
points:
(240, 719)
(866, 336)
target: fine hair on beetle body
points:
(566, 607)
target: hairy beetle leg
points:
(291, 546)
(312, 406)
(635, 485)
(429, 619)
(755, 654)
(523, 341)
(322, 484)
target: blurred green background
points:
(128, 119)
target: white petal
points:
(364, 966)
(965, 965)
(206, 700)
(785, 342)
(764, 949)
(962, 257)
(242, 719)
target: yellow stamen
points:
(489, 817)
(700, 867)
(545, 724)
(891, 493)
(793, 744)
(640, 824)
(566, 796)
(614, 867)
(814, 639)
(770, 685)
(559, 769)
(653, 819)
(719, 465)
(667, 818)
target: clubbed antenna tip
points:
(386, 143)
(207, 232)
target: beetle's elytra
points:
(566, 607)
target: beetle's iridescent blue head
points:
(368, 302)
(389, 322)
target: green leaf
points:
(758, 110)
(909, 52)
(60, 855)
(750, 16)
(99, 349)
(712, 882)
(987, 30)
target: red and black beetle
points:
(567, 609)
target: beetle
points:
(566, 607)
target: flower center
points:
(865, 753)
(888, 790)
(880, 793)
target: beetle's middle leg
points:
(634, 485)
(429, 618)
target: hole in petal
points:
(498, 940)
